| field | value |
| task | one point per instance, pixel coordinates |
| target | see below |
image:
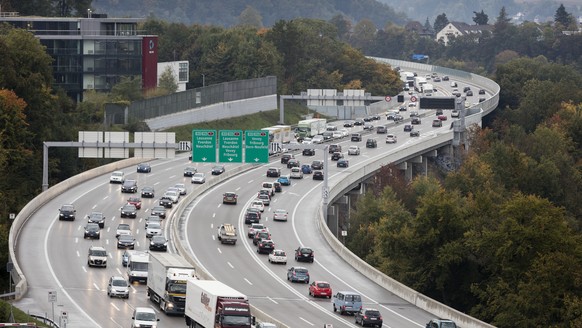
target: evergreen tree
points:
(480, 18)
(440, 22)
(563, 20)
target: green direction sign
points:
(230, 146)
(204, 146)
(256, 146)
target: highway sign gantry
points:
(230, 146)
(204, 146)
(256, 146)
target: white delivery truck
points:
(418, 83)
(286, 133)
(167, 276)
(427, 89)
(210, 303)
(137, 266)
(312, 127)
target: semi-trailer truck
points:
(311, 127)
(137, 266)
(167, 276)
(211, 303)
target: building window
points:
(183, 72)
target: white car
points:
(173, 195)
(181, 188)
(117, 177)
(266, 199)
(258, 204)
(455, 113)
(307, 141)
(199, 178)
(153, 229)
(118, 286)
(337, 135)
(270, 186)
(391, 138)
(256, 227)
(317, 139)
(354, 150)
(278, 256)
(123, 229)
(280, 215)
(144, 317)
(345, 132)
(296, 173)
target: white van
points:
(144, 317)
(117, 177)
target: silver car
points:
(153, 229)
(118, 287)
(199, 178)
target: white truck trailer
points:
(137, 266)
(167, 276)
(312, 127)
(210, 303)
(419, 81)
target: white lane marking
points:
(272, 300)
(230, 265)
(217, 248)
(307, 322)
(250, 283)
(96, 287)
(115, 307)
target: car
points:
(174, 195)
(371, 143)
(67, 212)
(122, 229)
(217, 170)
(441, 323)
(317, 139)
(466, 89)
(307, 141)
(348, 124)
(278, 256)
(455, 113)
(117, 177)
(337, 135)
(265, 325)
(469, 93)
(293, 145)
(129, 186)
(347, 302)
(147, 192)
(481, 100)
(317, 175)
(368, 119)
(92, 231)
(293, 163)
(359, 121)
(270, 186)
(317, 165)
(356, 137)
(445, 78)
(414, 114)
(343, 163)
(390, 114)
(277, 186)
(258, 204)
(306, 169)
(265, 246)
(368, 317)
(453, 84)
(198, 178)
(437, 123)
(304, 254)
(190, 171)
(296, 173)
(274, 172)
(481, 91)
(436, 79)
(415, 121)
(135, 201)
(286, 157)
(260, 235)
(412, 105)
(144, 168)
(415, 133)
(327, 135)
(381, 129)
(151, 219)
(252, 217)
(96, 217)
(229, 198)
(376, 117)
(125, 258)
(408, 127)
(398, 118)
(354, 150)
(128, 211)
(308, 152)
(254, 228)
(334, 148)
(266, 199)
(284, 180)
(126, 241)
(442, 117)
(160, 211)
(166, 202)
(181, 188)
(97, 256)
(298, 274)
(336, 156)
(118, 287)
(280, 215)
(144, 317)
(153, 229)
(404, 109)
(369, 127)
(158, 243)
(320, 289)
(265, 191)
(391, 138)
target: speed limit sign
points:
(413, 99)
(387, 98)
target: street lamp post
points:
(203, 80)
(88, 13)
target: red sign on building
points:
(149, 62)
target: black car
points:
(481, 91)
(92, 231)
(144, 168)
(218, 170)
(368, 317)
(126, 241)
(348, 124)
(308, 152)
(252, 217)
(67, 212)
(265, 246)
(286, 157)
(190, 171)
(304, 254)
(415, 120)
(128, 211)
(334, 148)
(317, 165)
(159, 211)
(129, 186)
(407, 128)
(293, 163)
(317, 175)
(278, 186)
(415, 133)
(158, 243)
(96, 217)
(359, 122)
(376, 117)
(371, 143)
(439, 112)
(469, 93)
(274, 172)
(336, 156)
(166, 202)
(343, 163)
(381, 129)
(398, 118)
(147, 192)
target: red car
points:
(136, 201)
(442, 117)
(320, 288)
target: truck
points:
(137, 266)
(227, 234)
(418, 83)
(310, 128)
(427, 89)
(167, 277)
(211, 303)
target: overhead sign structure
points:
(437, 103)
(230, 146)
(204, 146)
(256, 146)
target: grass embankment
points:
(19, 316)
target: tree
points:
(168, 81)
(480, 18)
(250, 17)
(440, 22)
(128, 89)
(563, 20)
(343, 26)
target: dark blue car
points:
(284, 180)
(306, 168)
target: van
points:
(144, 317)
(347, 302)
